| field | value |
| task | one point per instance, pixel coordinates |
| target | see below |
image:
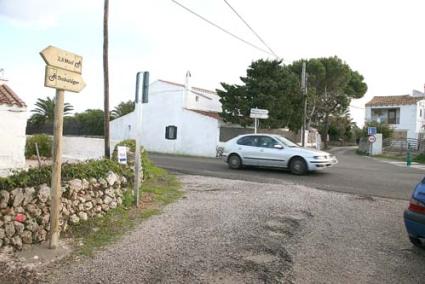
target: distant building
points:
(191, 112)
(13, 122)
(405, 114)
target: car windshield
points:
(286, 142)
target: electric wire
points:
(222, 29)
(253, 31)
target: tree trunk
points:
(106, 79)
(325, 133)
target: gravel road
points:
(230, 231)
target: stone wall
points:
(24, 212)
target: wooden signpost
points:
(63, 73)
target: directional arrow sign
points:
(63, 59)
(64, 80)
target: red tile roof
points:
(8, 97)
(211, 114)
(394, 100)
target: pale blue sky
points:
(383, 40)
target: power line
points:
(255, 33)
(222, 29)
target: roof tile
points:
(394, 100)
(9, 97)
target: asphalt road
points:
(353, 174)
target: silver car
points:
(268, 150)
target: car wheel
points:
(417, 242)
(298, 166)
(234, 162)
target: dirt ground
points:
(227, 231)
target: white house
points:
(193, 111)
(13, 121)
(405, 114)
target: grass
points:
(158, 190)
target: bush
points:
(85, 170)
(44, 143)
(148, 167)
(383, 128)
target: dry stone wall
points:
(24, 212)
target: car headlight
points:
(319, 157)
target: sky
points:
(382, 39)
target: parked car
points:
(267, 150)
(414, 216)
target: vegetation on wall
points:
(84, 170)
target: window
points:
(420, 113)
(392, 116)
(171, 132)
(248, 141)
(197, 98)
(267, 142)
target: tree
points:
(122, 109)
(268, 85)
(90, 122)
(45, 111)
(106, 80)
(332, 84)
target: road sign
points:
(57, 57)
(122, 155)
(371, 130)
(259, 113)
(64, 80)
(372, 139)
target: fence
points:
(403, 144)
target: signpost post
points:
(63, 73)
(371, 139)
(256, 114)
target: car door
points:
(248, 150)
(271, 153)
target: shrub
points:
(44, 143)
(148, 167)
(383, 128)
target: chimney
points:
(187, 89)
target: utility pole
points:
(106, 80)
(304, 92)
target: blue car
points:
(414, 216)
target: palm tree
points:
(106, 80)
(122, 109)
(45, 111)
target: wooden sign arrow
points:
(63, 59)
(64, 80)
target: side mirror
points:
(278, 146)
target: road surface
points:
(353, 174)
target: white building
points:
(13, 121)
(405, 114)
(193, 111)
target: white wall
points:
(84, 148)
(196, 134)
(408, 118)
(200, 134)
(420, 120)
(13, 121)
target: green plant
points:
(420, 158)
(44, 143)
(383, 128)
(88, 169)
